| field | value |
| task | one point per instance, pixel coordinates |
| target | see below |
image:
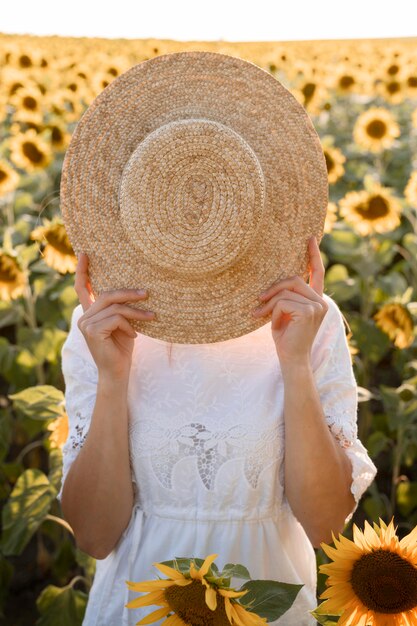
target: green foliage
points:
(25, 510)
(65, 606)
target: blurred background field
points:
(362, 98)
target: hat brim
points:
(255, 105)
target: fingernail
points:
(141, 292)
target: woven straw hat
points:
(200, 177)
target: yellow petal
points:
(211, 598)
(151, 585)
(154, 616)
(228, 609)
(169, 571)
(207, 562)
(230, 593)
(194, 573)
(173, 620)
(155, 597)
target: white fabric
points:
(206, 434)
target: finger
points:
(287, 294)
(107, 298)
(82, 282)
(292, 308)
(119, 308)
(316, 266)
(296, 284)
(107, 325)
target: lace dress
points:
(206, 434)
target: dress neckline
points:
(233, 340)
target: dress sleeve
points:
(80, 376)
(338, 391)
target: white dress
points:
(206, 435)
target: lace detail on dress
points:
(78, 437)
(211, 447)
(343, 428)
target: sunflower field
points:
(362, 98)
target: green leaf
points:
(183, 564)
(25, 510)
(39, 402)
(339, 284)
(42, 342)
(371, 340)
(269, 598)
(237, 571)
(377, 442)
(407, 497)
(55, 468)
(325, 620)
(64, 606)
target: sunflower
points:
(410, 190)
(396, 321)
(411, 84)
(9, 178)
(372, 579)
(369, 211)
(375, 129)
(30, 151)
(392, 89)
(28, 102)
(58, 252)
(334, 163)
(59, 431)
(192, 599)
(13, 280)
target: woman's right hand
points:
(105, 325)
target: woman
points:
(246, 448)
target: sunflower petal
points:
(173, 620)
(228, 609)
(155, 597)
(154, 616)
(169, 571)
(207, 562)
(211, 598)
(231, 593)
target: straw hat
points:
(198, 176)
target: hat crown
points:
(191, 197)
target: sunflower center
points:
(57, 237)
(346, 81)
(393, 87)
(32, 152)
(308, 91)
(329, 161)
(412, 81)
(376, 129)
(30, 103)
(189, 604)
(375, 208)
(385, 582)
(3, 176)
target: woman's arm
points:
(97, 496)
(318, 473)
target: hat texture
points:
(200, 177)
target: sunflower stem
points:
(59, 520)
(398, 451)
(29, 299)
(365, 423)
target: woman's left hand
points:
(297, 310)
